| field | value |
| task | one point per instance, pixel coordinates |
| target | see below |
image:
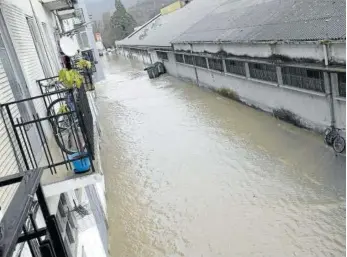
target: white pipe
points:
(326, 59)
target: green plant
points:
(63, 109)
(70, 78)
(84, 64)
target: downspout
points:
(195, 70)
(329, 86)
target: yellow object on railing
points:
(171, 8)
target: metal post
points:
(17, 137)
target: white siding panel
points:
(8, 164)
(25, 49)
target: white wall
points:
(313, 108)
(314, 51)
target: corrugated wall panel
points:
(24, 46)
(8, 163)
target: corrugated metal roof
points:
(259, 20)
(165, 28)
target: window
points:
(263, 71)
(162, 55)
(303, 78)
(69, 234)
(61, 209)
(63, 199)
(188, 59)
(235, 67)
(215, 64)
(179, 58)
(342, 84)
(200, 61)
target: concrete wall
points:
(312, 108)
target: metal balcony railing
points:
(51, 134)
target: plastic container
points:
(81, 165)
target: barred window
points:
(235, 67)
(303, 78)
(200, 61)
(188, 59)
(70, 237)
(342, 84)
(263, 71)
(162, 55)
(215, 64)
(179, 58)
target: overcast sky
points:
(126, 3)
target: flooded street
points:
(190, 173)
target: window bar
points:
(46, 142)
(25, 139)
(31, 149)
(17, 137)
(43, 144)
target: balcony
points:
(54, 5)
(76, 15)
(45, 141)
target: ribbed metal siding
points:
(8, 164)
(24, 46)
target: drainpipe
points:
(195, 70)
(328, 85)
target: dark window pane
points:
(188, 59)
(162, 55)
(342, 84)
(235, 67)
(200, 61)
(303, 78)
(179, 58)
(215, 64)
(263, 71)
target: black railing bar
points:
(17, 137)
(43, 119)
(10, 137)
(80, 157)
(17, 212)
(25, 144)
(31, 149)
(42, 143)
(31, 248)
(32, 235)
(35, 97)
(46, 142)
(39, 80)
(33, 222)
(12, 179)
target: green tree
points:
(122, 22)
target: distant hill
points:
(141, 10)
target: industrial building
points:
(284, 57)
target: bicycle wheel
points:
(67, 132)
(339, 144)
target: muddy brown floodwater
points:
(190, 173)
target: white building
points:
(285, 57)
(29, 51)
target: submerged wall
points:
(308, 108)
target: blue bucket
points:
(80, 166)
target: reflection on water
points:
(190, 173)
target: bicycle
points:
(333, 138)
(65, 123)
